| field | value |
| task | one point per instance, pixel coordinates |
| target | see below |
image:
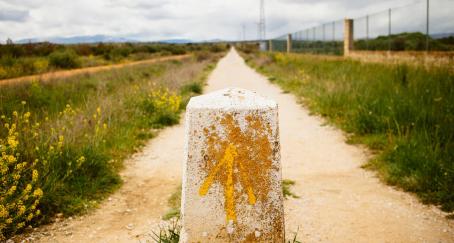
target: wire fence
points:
(326, 38)
(422, 25)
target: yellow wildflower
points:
(3, 212)
(34, 175)
(30, 217)
(12, 142)
(23, 102)
(12, 190)
(21, 210)
(80, 161)
(28, 188)
(38, 192)
(11, 159)
(27, 115)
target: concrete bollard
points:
(348, 36)
(289, 43)
(232, 172)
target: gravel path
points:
(339, 201)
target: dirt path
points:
(340, 202)
(69, 73)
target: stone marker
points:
(232, 172)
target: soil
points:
(339, 201)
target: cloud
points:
(14, 15)
(195, 19)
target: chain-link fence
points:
(323, 39)
(425, 25)
(422, 25)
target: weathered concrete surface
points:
(289, 43)
(232, 172)
(348, 36)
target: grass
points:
(34, 58)
(286, 184)
(169, 233)
(83, 127)
(174, 203)
(405, 114)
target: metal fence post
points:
(289, 43)
(367, 32)
(427, 26)
(389, 30)
(313, 33)
(323, 27)
(334, 36)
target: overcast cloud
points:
(190, 19)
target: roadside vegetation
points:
(34, 58)
(405, 114)
(407, 41)
(62, 141)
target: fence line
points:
(410, 27)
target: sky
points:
(148, 20)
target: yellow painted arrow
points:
(228, 161)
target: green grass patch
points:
(404, 113)
(169, 233)
(174, 203)
(286, 184)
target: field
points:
(404, 114)
(63, 141)
(26, 59)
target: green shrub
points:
(162, 107)
(64, 59)
(195, 88)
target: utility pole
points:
(262, 23)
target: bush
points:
(119, 53)
(20, 192)
(195, 88)
(163, 107)
(64, 59)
